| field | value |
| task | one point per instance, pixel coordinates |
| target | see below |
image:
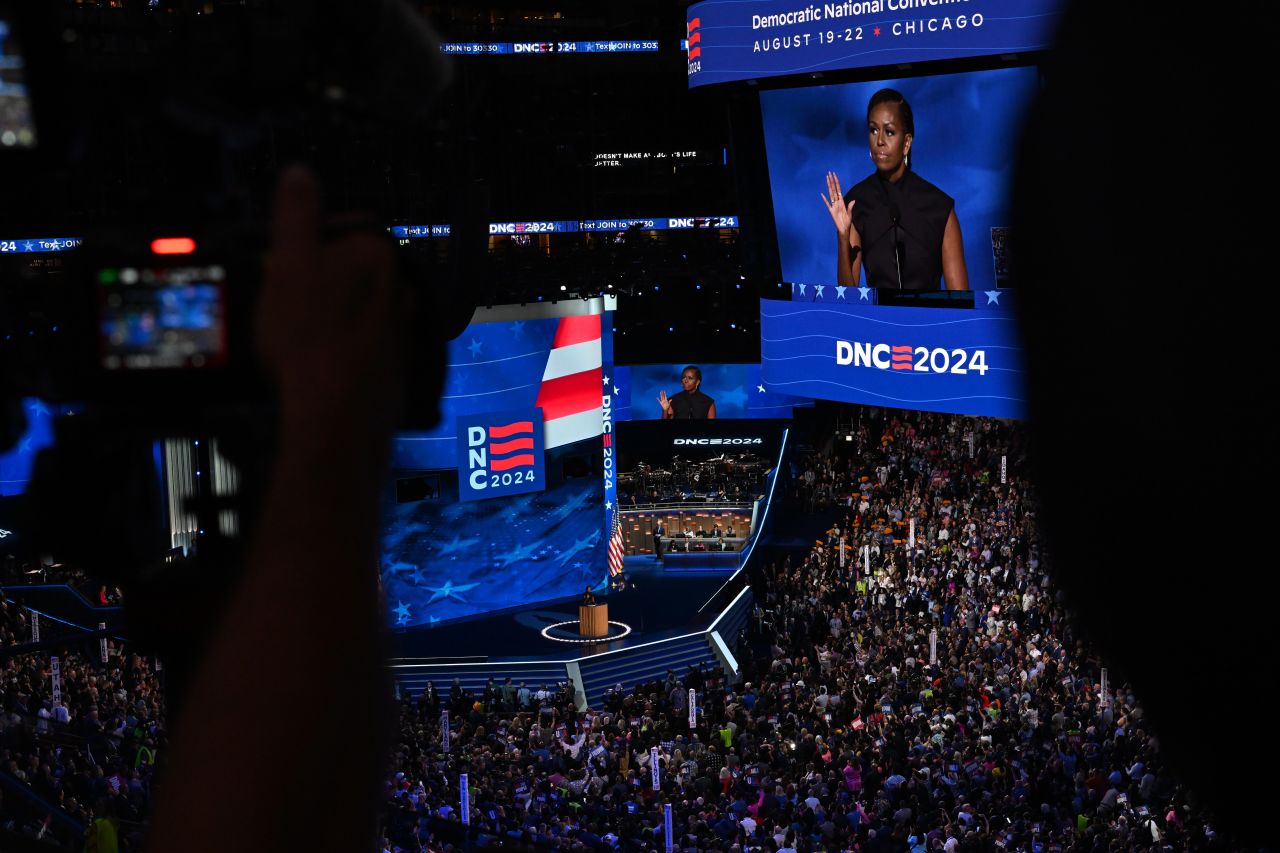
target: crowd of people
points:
(89, 751)
(910, 683)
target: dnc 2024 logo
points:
(500, 453)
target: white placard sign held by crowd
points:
(653, 767)
(1105, 690)
(911, 533)
(1004, 470)
(693, 708)
(55, 676)
(35, 627)
(444, 731)
(933, 647)
(666, 819)
(465, 798)
(102, 626)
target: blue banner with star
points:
(490, 366)
(959, 360)
(609, 414)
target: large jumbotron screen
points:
(967, 128)
(922, 170)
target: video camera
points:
(155, 136)
(154, 316)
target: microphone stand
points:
(897, 243)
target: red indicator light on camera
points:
(173, 246)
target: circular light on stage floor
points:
(626, 629)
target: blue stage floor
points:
(656, 605)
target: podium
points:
(593, 620)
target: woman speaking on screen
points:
(897, 225)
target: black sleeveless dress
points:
(921, 210)
(691, 406)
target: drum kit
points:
(727, 477)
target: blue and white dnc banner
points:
(958, 360)
(500, 453)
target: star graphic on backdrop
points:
(25, 446)
(455, 511)
(38, 408)
(579, 564)
(416, 577)
(402, 613)
(817, 290)
(876, 31)
(27, 247)
(517, 327)
(992, 296)
(608, 504)
(840, 289)
(580, 545)
(760, 388)
(606, 380)
(575, 503)
(515, 555)
(474, 347)
(616, 390)
(802, 290)
(449, 591)
(862, 293)
(457, 545)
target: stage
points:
(662, 620)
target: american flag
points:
(617, 551)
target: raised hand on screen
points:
(833, 198)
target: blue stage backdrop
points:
(443, 558)
(736, 388)
(967, 131)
